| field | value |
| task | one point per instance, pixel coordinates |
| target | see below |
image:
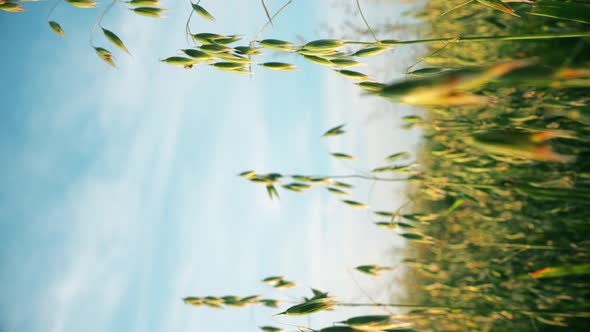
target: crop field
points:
(503, 221)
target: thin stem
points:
(475, 39)
(505, 37)
(266, 12)
(99, 19)
(187, 29)
(358, 176)
(457, 7)
(431, 54)
(365, 20)
(488, 309)
(268, 23)
(53, 9)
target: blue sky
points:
(119, 191)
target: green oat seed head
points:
(355, 204)
(337, 191)
(344, 156)
(335, 131)
(309, 307)
(373, 270)
(318, 59)
(354, 75)
(11, 7)
(105, 55)
(206, 37)
(247, 50)
(144, 3)
(248, 174)
(279, 66)
(284, 284)
(277, 45)
(202, 12)
(179, 61)
(396, 156)
(272, 279)
(323, 45)
(370, 51)
(56, 28)
(271, 303)
(113, 38)
(197, 54)
(149, 11)
(82, 3)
